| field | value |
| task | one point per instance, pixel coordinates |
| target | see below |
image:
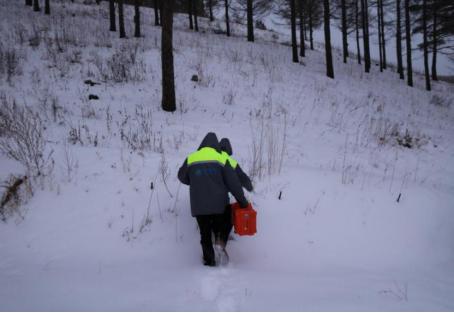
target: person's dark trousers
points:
(227, 224)
(209, 224)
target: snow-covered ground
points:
(95, 236)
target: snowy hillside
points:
(90, 234)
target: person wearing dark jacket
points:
(210, 178)
(226, 152)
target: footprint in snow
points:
(210, 287)
(219, 286)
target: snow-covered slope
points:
(95, 236)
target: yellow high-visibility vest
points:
(231, 160)
(206, 155)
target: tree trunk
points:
(121, 20)
(380, 44)
(113, 26)
(195, 8)
(311, 38)
(365, 19)
(367, 36)
(293, 29)
(434, 45)
(358, 49)
(156, 13)
(47, 7)
(191, 25)
(408, 41)
(426, 52)
(137, 18)
(250, 22)
(301, 18)
(329, 57)
(210, 8)
(344, 31)
(383, 40)
(28, 2)
(168, 81)
(400, 68)
(36, 6)
(227, 22)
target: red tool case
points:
(244, 220)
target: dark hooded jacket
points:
(245, 181)
(210, 179)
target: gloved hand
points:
(244, 205)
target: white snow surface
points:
(336, 240)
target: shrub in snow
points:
(260, 25)
(137, 131)
(440, 101)
(269, 139)
(410, 141)
(10, 61)
(126, 64)
(17, 190)
(22, 138)
(229, 97)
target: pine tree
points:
(301, 20)
(46, 7)
(365, 23)
(438, 25)
(210, 9)
(36, 6)
(383, 38)
(434, 42)
(250, 21)
(113, 27)
(168, 80)
(379, 29)
(293, 31)
(227, 21)
(195, 6)
(190, 5)
(311, 14)
(442, 31)
(137, 18)
(426, 52)
(408, 43)
(358, 49)
(400, 68)
(344, 30)
(314, 17)
(156, 12)
(252, 8)
(121, 21)
(329, 57)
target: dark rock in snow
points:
(219, 31)
(195, 78)
(91, 83)
(93, 97)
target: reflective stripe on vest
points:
(206, 155)
(231, 160)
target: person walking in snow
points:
(210, 178)
(226, 152)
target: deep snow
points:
(337, 240)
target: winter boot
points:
(221, 255)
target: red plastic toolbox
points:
(244, 220)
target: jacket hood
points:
(210, 141)
(226, 146)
